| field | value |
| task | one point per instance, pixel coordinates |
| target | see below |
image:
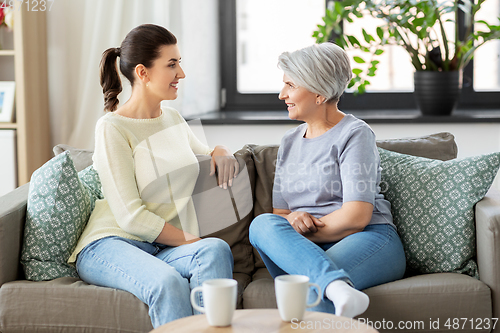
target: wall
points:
(8, 163)
(472, 139)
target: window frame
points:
(233, 100)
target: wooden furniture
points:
(29, 58)
(269, 321)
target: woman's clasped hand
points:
(304, 223)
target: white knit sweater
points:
(148, 170)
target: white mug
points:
(291, 295)
(219, 299)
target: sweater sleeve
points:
(114, 163)
(196, 145)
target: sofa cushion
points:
(12, 220)
(264, 158)
(90, 179)
(59, 204)
(70, 305)
(260, 294)
(417, 299)
(439, 146)
(432, 205)
(243, 281)
(82, 158)
(218, 208)
(428, 298)
(236, 235)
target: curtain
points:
(79, 31)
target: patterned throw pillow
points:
(432, 205)
(59, 204)
(90, 179)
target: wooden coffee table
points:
(268, 321)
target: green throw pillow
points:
(60, 201)
(90, 179)
(432, 206)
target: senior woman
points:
(330, 221)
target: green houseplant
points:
(419, 27)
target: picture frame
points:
(7, 93)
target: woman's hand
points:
(304, 223)
(192, 240)
(173, 236)
(226, 164)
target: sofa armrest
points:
(488, 244)
(12, 218)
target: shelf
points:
(7, 52)
(8, 126)
(24, 60)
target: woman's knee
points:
(264, 224)
(168, 282)
(374, 259)
(396, 255)
(217, 247)
(400, 260)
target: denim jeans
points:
(160, 276)
(364, 259)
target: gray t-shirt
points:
(318, 175)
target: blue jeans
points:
(364, 259)
(160, 276)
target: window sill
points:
(371, 117)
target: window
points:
(262, 35)
(487, 57)
(395, 71)
(255, 32)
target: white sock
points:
(348, 301)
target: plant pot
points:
(437, 93)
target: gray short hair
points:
(323, 69)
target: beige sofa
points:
(71, 305)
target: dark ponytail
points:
(141, 46)
(110, 80)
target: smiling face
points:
(165, 73)
(299, 101)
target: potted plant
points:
(419, 27)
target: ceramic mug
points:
(291, 295)
(219, 299)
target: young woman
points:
(143, 236)
(330, 221)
